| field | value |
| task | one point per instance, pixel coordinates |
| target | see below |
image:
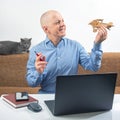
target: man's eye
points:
(58, 22)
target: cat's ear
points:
(21, 39)
(30, 39)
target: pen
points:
(42, 58)
(36, 53)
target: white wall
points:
(20, 18)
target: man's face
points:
(56, 27)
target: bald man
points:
(59, 55)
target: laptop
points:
(83, 93)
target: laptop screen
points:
(84, 93)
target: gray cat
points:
(11, 47)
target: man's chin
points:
(63, 35)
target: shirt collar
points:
(47, 40)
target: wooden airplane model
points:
(98, 22)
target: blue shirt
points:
(62, 59)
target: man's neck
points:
(55, 41)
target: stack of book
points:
(11, 99)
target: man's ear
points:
(45, 29)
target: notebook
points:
(83, 94)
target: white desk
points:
(7, 112)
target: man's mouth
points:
(62, 29)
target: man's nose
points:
(62, 23)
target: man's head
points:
(53, 24)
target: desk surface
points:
(7, 112)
